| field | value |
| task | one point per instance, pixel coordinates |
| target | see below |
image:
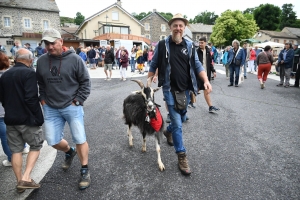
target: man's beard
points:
(177, 38)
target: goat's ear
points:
(136, 92)
(156, 89)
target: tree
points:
(206, 17)
(267, 17)
(232, 25)
(141, 15)
(249, 10)
(64, 20)
(79, 18)
(288, 17)
(167, 15)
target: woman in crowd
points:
(150, 55)
(264, 62)
(124, 65)
(251, 60)
(139, 60)
(82, 54)
(285, 62)
(4, 65)
(224, 61)
(145, 59)
(97, 55)
(132, 58)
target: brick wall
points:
(36, 17)
(155, 32)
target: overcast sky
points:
(69, 8)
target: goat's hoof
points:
(161, 167)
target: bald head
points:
(24, 56)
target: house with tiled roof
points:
(156, 27)
(274, 36)
(111, 23)
(294, 31)
(200, 30)
(25, 20)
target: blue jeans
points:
(132, 64)
(177, 117)
(255, 65)
(245, 68)
(234, 69)
(55, 120)
(3, 138)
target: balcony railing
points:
(112, 36)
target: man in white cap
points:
(177, 81)
(64, 84)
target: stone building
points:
(274, 36)
(155, 27)
(25, 20)
(201, 30)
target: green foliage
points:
(167, 15)
(141, 15)
(267, 16)
(249, 16)
(232, 25)
(79, 18)
(64, 20)
(205, 17)
(288, 17)
(249, 10)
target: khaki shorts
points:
(17, 136)
(108, 67)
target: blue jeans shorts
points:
(55, 120)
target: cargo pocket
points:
(39, 137)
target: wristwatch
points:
(77, 103)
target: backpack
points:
(39, 51)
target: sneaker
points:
(287, 86)
(236, 85)
(262, 86)
(85, 179)
(6, 163)
(183, 164)
(193, 106)
(279, 85)
(124, 79)
(169, 137)
(189, 105)
(168, 119)
(230, 85)
(109, 79)
(27, 185)
(26, 150)
(106, 78)
(213, 109)
(69, 158)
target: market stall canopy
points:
(272, 44)
(251, 40)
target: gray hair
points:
(236, 41)
(25, 56)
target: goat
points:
(139, 109)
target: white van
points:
(128, 44)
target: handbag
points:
(238, 62)
(180, 100)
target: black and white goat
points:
(139, 109)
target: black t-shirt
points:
(180, 67)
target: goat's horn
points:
(141, 84)
(149, 81)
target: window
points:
(147, 36)
(116, 30)
(7, 21)
(45, 24)
(115, 16)
(163, 28)
(124, 30)
(147, 27)
(27, 23)
(9, 42)
(276, 40)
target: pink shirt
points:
(150, 55)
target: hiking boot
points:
(69, 158)
(85, 179)
(183, 164)
(169, 137)
(168, 119)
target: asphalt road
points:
(249, 150)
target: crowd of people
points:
(63, 85)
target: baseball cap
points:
(50, 35)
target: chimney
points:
(154, 10)
(119, 3)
